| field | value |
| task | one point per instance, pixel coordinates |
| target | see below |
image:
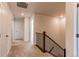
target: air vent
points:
(22, 4)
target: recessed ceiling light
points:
(22, 4)
(22, 14)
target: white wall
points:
(18, 28)
(26, 29)
(54, 27)
(32, 40)
(71, 41)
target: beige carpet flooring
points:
(25, 49)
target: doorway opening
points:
(18, 29)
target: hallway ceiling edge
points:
(45, 8)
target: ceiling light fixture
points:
(22, 14)
(22, 4)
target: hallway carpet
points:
(26, 49)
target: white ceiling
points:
(46, 8)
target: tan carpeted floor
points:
(25, 49)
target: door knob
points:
(6, 35)
(77, 35)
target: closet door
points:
(5, 30)
(4, 34)
(0, 34)
(78, 31)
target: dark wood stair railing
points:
(44, 38)
(51, 49)
(45, 35)
(64, 52)
(44, 41)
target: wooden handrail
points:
(38, 33)
(54, 41)
(44, 38)
(44, 33)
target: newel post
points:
(64, 52)
(44, 41)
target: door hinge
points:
(77, 35)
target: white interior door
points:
(0, 34)
(19, 28)
(5, 31)
(78, 31)
(6, 36)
